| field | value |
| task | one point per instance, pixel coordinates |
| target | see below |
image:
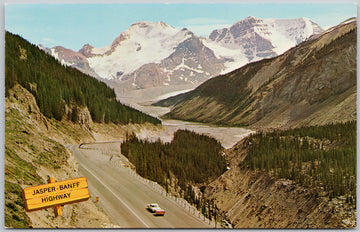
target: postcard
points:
(180, 115)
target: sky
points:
(73, 25)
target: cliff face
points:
(258, 201)
(253, 199)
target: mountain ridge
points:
(148, 47)
(257, 38)
(318, 77)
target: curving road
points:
(124, 197)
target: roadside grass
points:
(25, 151)
(76, 131)
(15, 216)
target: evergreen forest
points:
(322, 157)
(190, 157)
(55, 86)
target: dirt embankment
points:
(253, 199)
(35, 149)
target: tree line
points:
(314, 156)
(190, 157)
(55, 85)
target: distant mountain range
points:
(155, 54)
(253, 39)
(313, 83)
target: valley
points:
(271, 95)
(36, 149)
(227, 136)
(313, 83)
(248, 142)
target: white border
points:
(2, 84)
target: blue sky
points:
(73, 25)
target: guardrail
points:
(179, 201)
(121, 163)
(94, 143)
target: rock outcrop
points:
(34, 151)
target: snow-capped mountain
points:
(253, 39)
(71, 58)
(191, 62)
(147, 55)
(155, 54)
(142, 43)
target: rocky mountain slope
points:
(70, 58)
(190, 63)
(250, 198)
(34, 151)
(311, 84)
(42, 116)
(253, 39)
(155, 54)
(142, 43)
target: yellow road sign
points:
(57, 193)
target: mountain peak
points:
(251, 18)
(86, 50)
(148, 24)
(146, 29)
(260, 38)
(146, 42)
(86, 46)
(300, 80)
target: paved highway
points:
(124, 197)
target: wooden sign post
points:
(57, 209)
(54, 194)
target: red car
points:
(155, 208)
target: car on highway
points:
(155, 208)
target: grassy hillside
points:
(42, 98)
(313, 83)
(34, 151)
(26, 151)
(56, 87)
